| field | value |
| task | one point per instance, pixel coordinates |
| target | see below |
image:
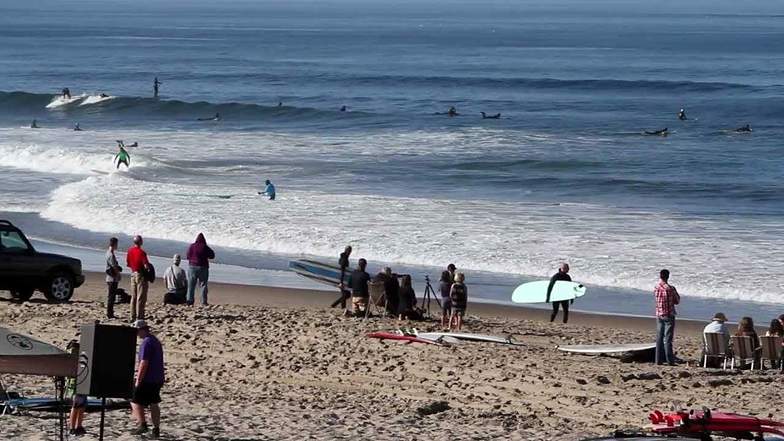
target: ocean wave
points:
(605, 246)
(15, 102)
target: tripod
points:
(430, 293)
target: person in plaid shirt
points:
(666, 298)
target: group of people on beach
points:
(745, 328)
(399, 297)
(180, 288)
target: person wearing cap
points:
(717, 326)
(136, 260)
(150, 377)
(176, 283)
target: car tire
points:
(60, 288)
(22, 294)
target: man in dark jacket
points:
(562, 274)
(359, 287)
(199, 256)
(343, 262)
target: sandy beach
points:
(267, 363)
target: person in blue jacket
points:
(269, 190)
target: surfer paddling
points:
(562, 274)
(663, 132)
(486, 116)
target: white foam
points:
(605, 246)
(60, 101)
(95, 99)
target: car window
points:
(12, 242)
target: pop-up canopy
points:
(20, 354)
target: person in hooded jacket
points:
(199, 256)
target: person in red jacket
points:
(199, 255)
(137, 262)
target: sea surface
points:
(566, 173)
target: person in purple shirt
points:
(199, 255)
(149, 381)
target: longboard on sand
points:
(318, 271)
(402, 337)
(436, 336)
(536, 292)
(607, 349)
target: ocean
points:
(565, 174)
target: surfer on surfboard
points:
(122, 157)
(662, 132)
(682, 115)
(486, 116)
(217, 117)
(744, 129)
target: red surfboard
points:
(396, 336)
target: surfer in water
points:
(122, 157)
(744, 129)
(682, 115)
(269, 190)
(452, 111)
(486, 116)
(77, 128)
(343, 108)
(67, 93)
(155, 85)
(217, 117)
(562, 274)
(103, 95)
(34, 124)
(662, 132)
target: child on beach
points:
(459, 296)
(445, 286)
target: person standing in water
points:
(122, 157)
(269, 190)
(155, 85)
(562, 274)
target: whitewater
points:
(565, 174)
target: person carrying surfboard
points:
(562, 274)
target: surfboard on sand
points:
(402, 337)
(536, 292)
(319, 271)
(607, 348)
(446, 336)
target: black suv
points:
(23, 269)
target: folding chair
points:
(378, 298)
(771, 351)
(715, 347)
(743, 350)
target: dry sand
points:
(272, 364)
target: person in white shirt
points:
(717, 326)
(176, 283)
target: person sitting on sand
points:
(746, 329)
(407, 299)
(445, 287)
(717, 326)
(459, 297)
(358, 281)
(392, 291)
(176, 283)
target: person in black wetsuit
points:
(662, 132)
(34, 124)
(746, 128)
(486, 116)
(343, 263)
(155, 85)
(562, 274)
(682, 115)
(67, 93)
(391, 290)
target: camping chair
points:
(771, 351)
(744, 350)
(378, 298)
(715, 347)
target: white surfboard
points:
(60, 101)
(95, 99)
(536, 292)
(607, 349)
(435, 336)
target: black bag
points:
(120, 296)
(174, 298)
(149, 273)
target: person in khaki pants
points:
(137, 262)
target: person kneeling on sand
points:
(459, 297)
(176, 283)
(358, 281)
